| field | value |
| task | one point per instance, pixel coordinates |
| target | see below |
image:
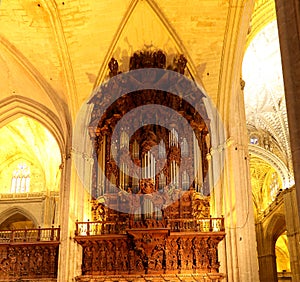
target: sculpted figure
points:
(113, 67)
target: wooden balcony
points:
(179, 241)
(29, 254)
(98, 228)
(30, 235)
(150, 247)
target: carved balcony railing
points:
(30, 235)
(29, 254)
(197, 225)
(97, 228)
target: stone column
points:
(64, 203)
(288, 18)
(71, 202)
(266, 256)
(293, 231)
(267, 267)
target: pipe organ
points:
(166, 156)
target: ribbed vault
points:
(266, 117)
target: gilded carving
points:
(30, 261)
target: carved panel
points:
(145, 251)
(28, 261)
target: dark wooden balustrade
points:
(29, 254)
(30, 235)
(197, 225)
(96, 228)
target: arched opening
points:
(17, 221)
(267, 234)
(283, 258)
(266, 183)
(30, 161)
(30, 152)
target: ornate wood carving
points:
(145, 251)
(28, 261)
(185, 240)
(190, 204)
(29, 253)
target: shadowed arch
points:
(275, 228)
(18, 210)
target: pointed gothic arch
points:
(56, 110)
(275, 162)
(17, 106)
(170, 32)
(10, 212)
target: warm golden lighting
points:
(282, 254)
(265, 182)
(29, 158)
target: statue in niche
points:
(195, 252)
(25, 260)
(102, 256)
(180, 253)
(204, 259)
(143, 261)
(160, 59)
(212, 254)
(88, 258)
(52, 259)
(135, 62)
(181, 64)
(188, 255)
(39, 260)
(124, 262)
(113, 67)
(131, 260)
(156, 261)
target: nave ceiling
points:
(56, 52)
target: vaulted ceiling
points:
(54, 53)
(266, 114)
(264, 89)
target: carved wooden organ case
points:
(177, 164)
(158, 221)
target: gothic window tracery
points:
(20, 182)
